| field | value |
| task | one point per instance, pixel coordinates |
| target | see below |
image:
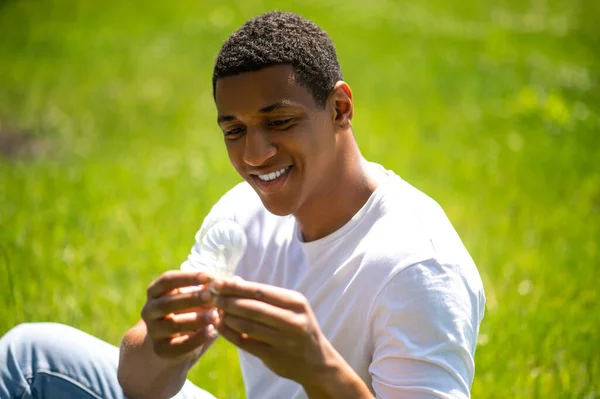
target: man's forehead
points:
(256, 90)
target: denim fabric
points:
(54, 361)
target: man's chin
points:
(277, 207)
(278, 203)
(278, 210)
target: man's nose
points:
(258, 147)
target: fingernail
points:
(211, 331)
(213, 290)
(205, 296)
(216, 286)
(212, 316)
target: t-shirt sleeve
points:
(424, 324)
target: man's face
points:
(277, 138)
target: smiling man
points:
(354, 283)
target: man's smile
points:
(272, 181)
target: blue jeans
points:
(54, 361)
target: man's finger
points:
(253, 330)
(173, 279)
(177, 303)
(277, 296)
(171, 348)
(185, 323)
(242, 341)
(262, 312)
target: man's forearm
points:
(338, 381)
(142, 374)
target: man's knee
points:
(28, 335)
(53, 354)
(21, 334)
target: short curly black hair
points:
(282, 38)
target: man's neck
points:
(349, 189)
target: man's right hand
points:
(180, 314)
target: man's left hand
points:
(276, 325)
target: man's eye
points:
(233, 132)
(280, 122)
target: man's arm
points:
(341, 381)
(177, 328)
(142, 373)
(425, 333)
(425, 323)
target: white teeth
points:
(272, 176)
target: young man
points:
(354, 284)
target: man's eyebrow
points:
(279, 105)
(263, 110)
(225, 118)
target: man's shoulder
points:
(404, 214)
(409, 227)
(401, 198)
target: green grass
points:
(492, 109)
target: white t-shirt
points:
(394, 290)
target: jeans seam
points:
(70, 379)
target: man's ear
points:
(342, 105)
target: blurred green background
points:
(110, 157)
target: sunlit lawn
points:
(493, 110)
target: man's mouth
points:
(273, 180)
(273, 175)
